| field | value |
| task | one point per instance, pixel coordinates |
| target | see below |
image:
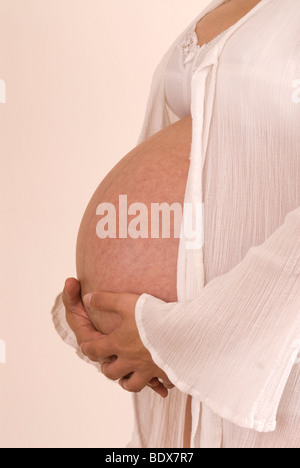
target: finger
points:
(154, 382)
(108, 360)
(165, 379)
(72, 300)
(71, 292)
(155, 385)
(110, 302)
(168, 385)
(135, 383)
(76, 315)
(115, 370)
(82, 328)
(167, 382)
(102, 301)
(98, 349)
(160, 389)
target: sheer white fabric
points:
(179, 72)
(233, 338)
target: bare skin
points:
(155, 171)
(220, 19)
(86, 335)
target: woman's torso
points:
(154, 172)
(147, 265)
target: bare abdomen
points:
(153, 172)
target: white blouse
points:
(179, 72)
(232, 339)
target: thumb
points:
(122, 303)
(71, 293)
(104, 301)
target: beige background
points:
(77, 74)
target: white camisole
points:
(179, 72)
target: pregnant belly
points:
(154, 172)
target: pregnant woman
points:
(213, 327)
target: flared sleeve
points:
(233, 346)
(62, 327)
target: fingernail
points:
(88, 299)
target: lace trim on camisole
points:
(189, 45)
(182, 64)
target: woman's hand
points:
(86, 332)
(131, 357)
(76, 315)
